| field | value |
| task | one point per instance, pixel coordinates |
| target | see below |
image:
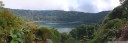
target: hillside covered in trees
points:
(58, 15)
(16, 30)
(114, 27)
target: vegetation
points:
(16, 30)
(56, 15)
(84, 32)
(112, 24)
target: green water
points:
(60, 26)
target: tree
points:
(83, 30)
(1, 3)
(113, 22)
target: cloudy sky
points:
(66, 5)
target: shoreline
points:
(35, 21)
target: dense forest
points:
(15, 29)
(58, 15)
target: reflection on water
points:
(60, 26)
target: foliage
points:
(8, 21)
(17, 36)
(20, 31)
(42, 33)
(84, 32)
(45, 34)
(55, 36)
(71, 40)
(56, 15)
(111, 24)
(15, 30)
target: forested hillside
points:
(57, 15)
(114, 26)
(14, 30)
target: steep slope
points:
(8, 22)
(114, 26)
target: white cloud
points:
(67, 5)
(106, 4)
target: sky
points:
(66, 5)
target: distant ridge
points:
(59, 15)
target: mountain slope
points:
(114, 26)
(57, 15)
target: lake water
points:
(60, 26)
